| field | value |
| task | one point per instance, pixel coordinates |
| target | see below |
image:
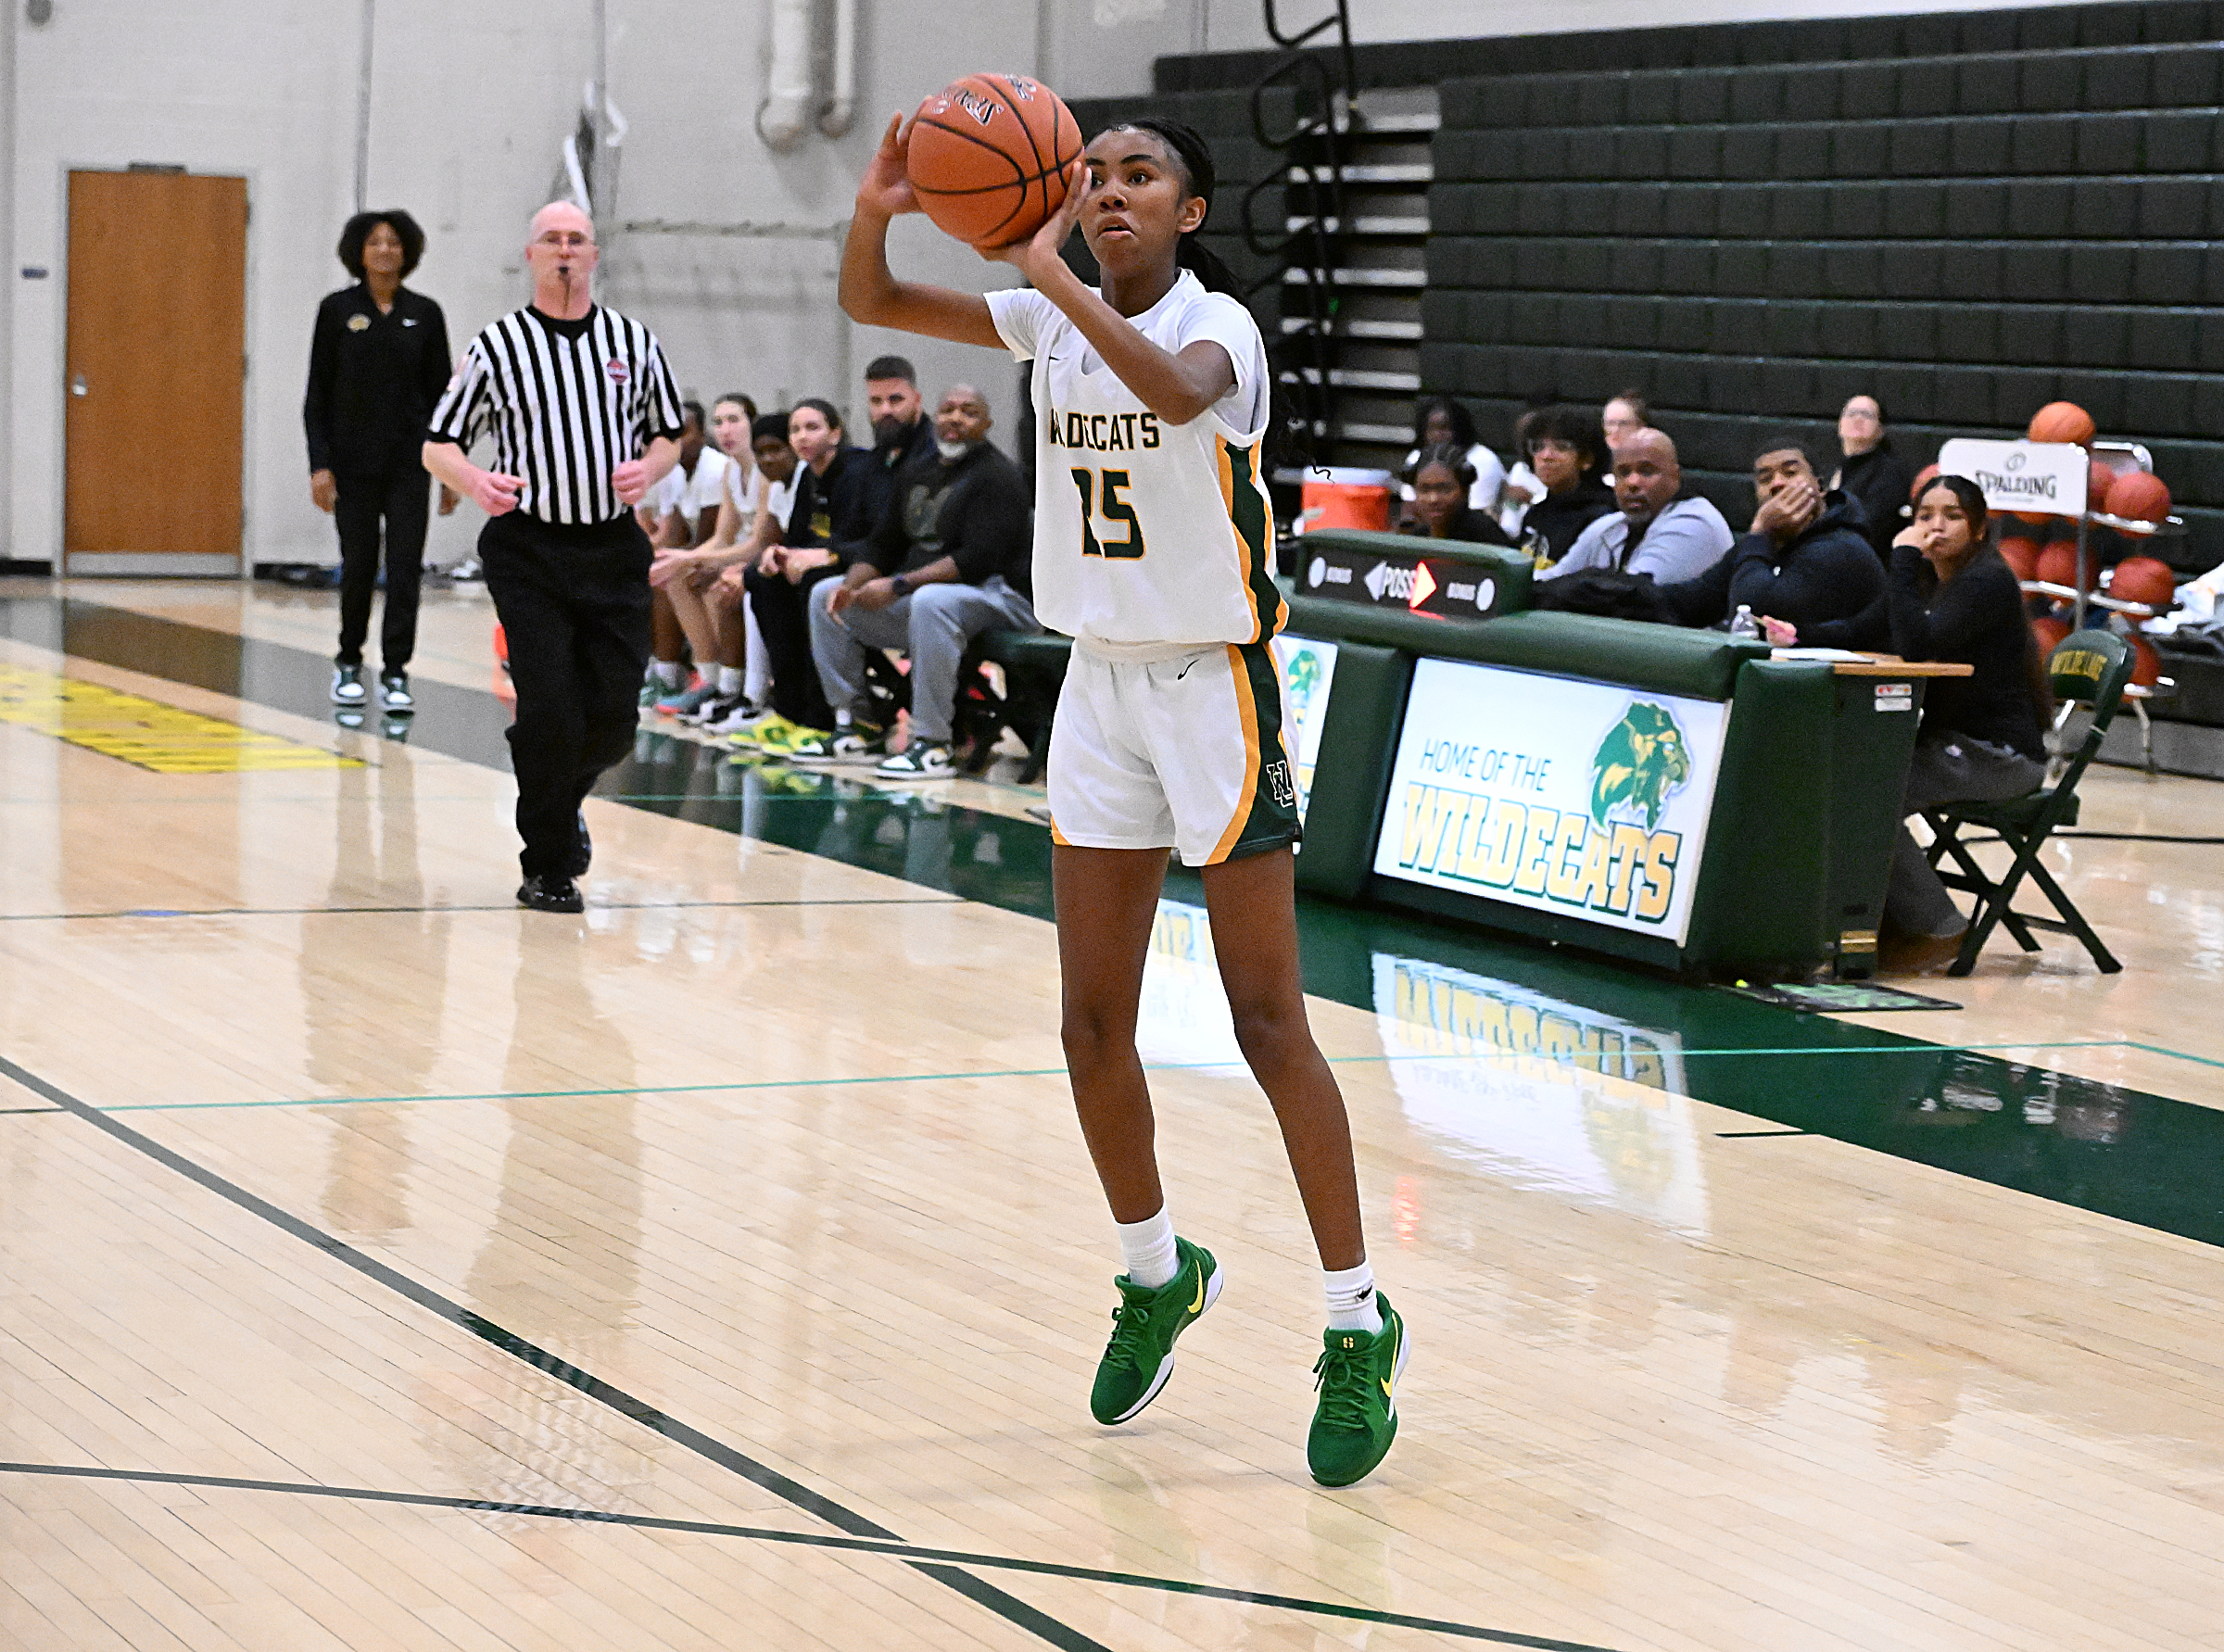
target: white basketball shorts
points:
(1184, 753)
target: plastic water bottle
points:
(1742, 623)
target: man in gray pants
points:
(949, 561)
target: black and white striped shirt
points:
(567, 402)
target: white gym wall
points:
(470, 103)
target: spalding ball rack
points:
(2084, 598)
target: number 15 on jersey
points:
(1101, 502)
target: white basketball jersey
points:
(1151, 539)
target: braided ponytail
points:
(1201, 177)
(1283, 444)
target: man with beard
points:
(950, 561)
(902, 432)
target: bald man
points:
(950, 561)
(1659, 530)
(585, 420)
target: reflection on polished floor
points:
(383, 1266)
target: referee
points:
(585, 421)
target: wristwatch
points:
(901, 586)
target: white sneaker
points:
(394, 691)
(922, 760)
(743, 718)
(347, 686)
(714, 711)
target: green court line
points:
(2207, 1061)
(1157, 1067)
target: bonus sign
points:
(1578, 797)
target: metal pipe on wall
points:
(786, 112)
(362, 108)
(841, 106)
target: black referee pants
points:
(783, 614)
(403, 498)
(574, 603)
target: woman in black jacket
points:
(1952, 598)
(378, 361)
(1871, 472)
(841, 495)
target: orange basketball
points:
(988, 157)
(2099, 480)
(2022, 555)
(2144, 580)
(2058, 565)
(1924, 478)
(2061, 421)
(2047, 631)
(2139, 496)
(2146, 664)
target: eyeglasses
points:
(561, 242)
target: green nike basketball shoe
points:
(1140, 1357)
(1357, 1418)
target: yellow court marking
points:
(145, 732)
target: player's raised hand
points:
(1045, 246)
(886, 186)
(496, 493)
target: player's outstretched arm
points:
(1176, 386)
(870, 293)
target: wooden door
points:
(156, 376)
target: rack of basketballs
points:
(2070, 567)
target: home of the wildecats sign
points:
(1572, 796)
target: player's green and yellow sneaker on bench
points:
(1357, 1418)
(1140, 1357)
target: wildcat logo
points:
(1642, 760)
(983, 110)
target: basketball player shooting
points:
(1152, 536)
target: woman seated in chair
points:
(1442, 479)
(1952, 598)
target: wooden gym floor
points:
(383, 1267)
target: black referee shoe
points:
(545, 893)
(584, 856)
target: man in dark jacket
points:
(1805, 569)
(948, 562)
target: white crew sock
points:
(1351, 1304)
(1148, 1246)
(729, 681)
(666, 672)
(756, 671)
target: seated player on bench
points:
(950, 561)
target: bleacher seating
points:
(1967, 214)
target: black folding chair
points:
(2091, 667)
